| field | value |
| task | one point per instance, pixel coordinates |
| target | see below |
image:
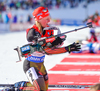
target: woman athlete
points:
(34, 64)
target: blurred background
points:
(16, 15)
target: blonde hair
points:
(39, 26)
(96, 87)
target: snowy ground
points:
(10, 71)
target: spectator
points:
(0, 17)
(2, 6)
(17, 4)
(15, 19)
(12, 4)
(29, 19)
(58, 3)
(21, 19)
(5, 17)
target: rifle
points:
(43, 42)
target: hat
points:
(40, 13)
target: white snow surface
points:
(10, 71)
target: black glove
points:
(73, 47)
(57, 41)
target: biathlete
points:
(34, 64)
(91, 45)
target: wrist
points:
(67, 48)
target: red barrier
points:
(73, 79)
(81, 60)
(66, 67)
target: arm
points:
(32, 35)
(69, 48)
(50, 51)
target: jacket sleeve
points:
(31, 35)
(50, 51)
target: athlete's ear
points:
(38, 21)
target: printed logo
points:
(48, 33)
(26, 48)
(38, 59)
(40, 17)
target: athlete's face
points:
(44, 21)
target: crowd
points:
(9, 5)
(27, 4)
(8, 17)
(95, 19)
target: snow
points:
(10, 71)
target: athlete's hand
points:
(57, 42)
(73, 47)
